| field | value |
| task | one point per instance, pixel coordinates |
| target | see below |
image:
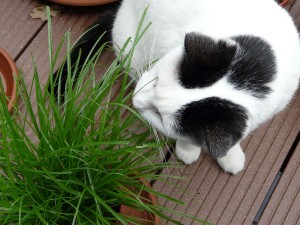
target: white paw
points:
(234, 161)
(187, 152)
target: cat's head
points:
(186, 94)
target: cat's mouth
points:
(153, 110)
(156, 112)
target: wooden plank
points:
(290, 4)
(284, 205)
(273, 162)
(69, 20)
(17, 27)
(265, 163)
(294, 11)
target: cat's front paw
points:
(234, 161)
(186, 152)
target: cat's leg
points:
(187, 152)
(233, 162)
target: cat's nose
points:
(139, 103)
(142, 100)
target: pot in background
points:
(8, 73)
(83, 2)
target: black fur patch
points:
(215, 124)
(254, 66)
(205, 60)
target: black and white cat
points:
(224, 67)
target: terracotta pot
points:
(100, 2)
(8, 71)
(143, 215)
(283, 3)
(82, 2)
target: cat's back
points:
(216, 18)
(172, 19)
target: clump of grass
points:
(73, 161)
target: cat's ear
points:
(214, 123)
(206, 51)
(218, 140)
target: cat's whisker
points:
(145, 54)
(152, 50)
(159, 138)
(137, 72)
(144, 86)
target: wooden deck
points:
(268, 189)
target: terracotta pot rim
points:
(100, 2)
(9, 72)
(82, 2)
(283, 3)
(152, 198)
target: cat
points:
(222, 68)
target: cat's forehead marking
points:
(205, 60)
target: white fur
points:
(234, 161)
(187, 152)
(171, 20)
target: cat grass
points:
(72, 160)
